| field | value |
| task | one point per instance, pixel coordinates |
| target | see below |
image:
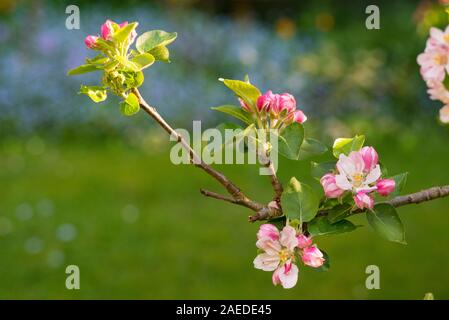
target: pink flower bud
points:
(370, 158)
(363, 200)
(268, 231)
(385, 186)
(245, 106)
(90, 41)
(331, 190)
(106, 29)
(286, 102)
(312, 257)
(299, 116)
(266, 101)
(303, 241)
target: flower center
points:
(284, 255)
(357, 179)
(440, 59)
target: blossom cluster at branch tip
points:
(107, 29)
(360, 174)
(281, 249)
(434, 63)
(279, 108)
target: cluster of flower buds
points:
(279, 109)
(107, 29)
(360, 174)
(434, 62)
(280, 251)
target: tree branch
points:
(239, 197)
(275, 183)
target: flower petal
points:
(266, 262)
(374, 175)
(288, 238)
(288, 279)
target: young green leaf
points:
(321, 226)
(318, 170)
(85, 68)
(346, 145)
(311, 148)
(160, 53)
(143, 60)
(96, 93)
(290, 141)
(299, 201)
(131, 105)
(235, 112)
(244, 90)
(124, 33)
(154, 38)
(386, 222)
(339, 212)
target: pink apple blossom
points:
(352, 174)
(245, 106)
(90, 41)
(438, 39)
(286, 102)
(434, 64)
(266, 101)
(106, 29)
(312, 257)
(370, 158)
(278, 255)
(437, 91)
(385, 186)
(268, 231)
(331, 190)
(299, 116)
(363, 200)
(304, 241)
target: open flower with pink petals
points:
(358, 173)
(434, 64)
(278, 254)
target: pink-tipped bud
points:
(106, 29)
(268, 231)
(370, 158)
(385, 186)
(303, 241)
(286, 102)
(90, 41)
(331, 190)
(245, 106)
(312, 257)
(363, 200)
(299, 116)
(266, 101)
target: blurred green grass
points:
(137, 227)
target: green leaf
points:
(235, 112)
(133, 79)
(311, 148)
(346, 145)
(400, 182)
(143, 60)
(339, 212)
(244, 90)
(130, 106)
(321, 226)
(299, 201)
(290, 141)
(124, 33)
(318, 170)
(154, 38)
(85, 68)
(96, 93)
(129, 65)
(386, 222)
(160, 53)
(279, 222)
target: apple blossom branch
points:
(264, 212)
